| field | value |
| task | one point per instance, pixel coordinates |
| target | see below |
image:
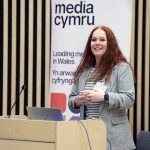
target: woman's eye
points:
(102, 40)
(94, 40)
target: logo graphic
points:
(58, 100)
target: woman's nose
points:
(97, 41)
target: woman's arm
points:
(72, 98)
(125, 95)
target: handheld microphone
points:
(22, 89)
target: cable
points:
(86, 134)
(89, 138)
(109, 144)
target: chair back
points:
(143, 141)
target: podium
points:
(25, 134)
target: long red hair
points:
(111, 58)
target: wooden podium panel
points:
(22, 134)
(25, 145)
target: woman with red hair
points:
(104, 87)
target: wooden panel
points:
(25, 145)
(76, 131)
(139, 65)
(47, 54)
(5, 56)
(30, 54)
(32, 133)
(22, 52)
(131, 110)
(30, 130)
(147, 68)
(13, 61)
(39, 23)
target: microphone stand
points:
(22, 89)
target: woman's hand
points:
(87, 96)
(82, 98)
(94, 96)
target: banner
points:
(72, 22)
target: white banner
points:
(72, 22)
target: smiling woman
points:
(104, 87)
(98, 44)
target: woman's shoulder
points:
(85, 71)
(122, 66)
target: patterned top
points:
(92, 109)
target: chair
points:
(143, 141)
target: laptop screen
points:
(42, 113)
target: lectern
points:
(25, 134)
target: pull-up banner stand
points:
(71, 24)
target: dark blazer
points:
(121, 97)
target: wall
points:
(24, 54)
(140, 59)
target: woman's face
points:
(98, 44)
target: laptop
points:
(42, 113)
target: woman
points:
(104, 87)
